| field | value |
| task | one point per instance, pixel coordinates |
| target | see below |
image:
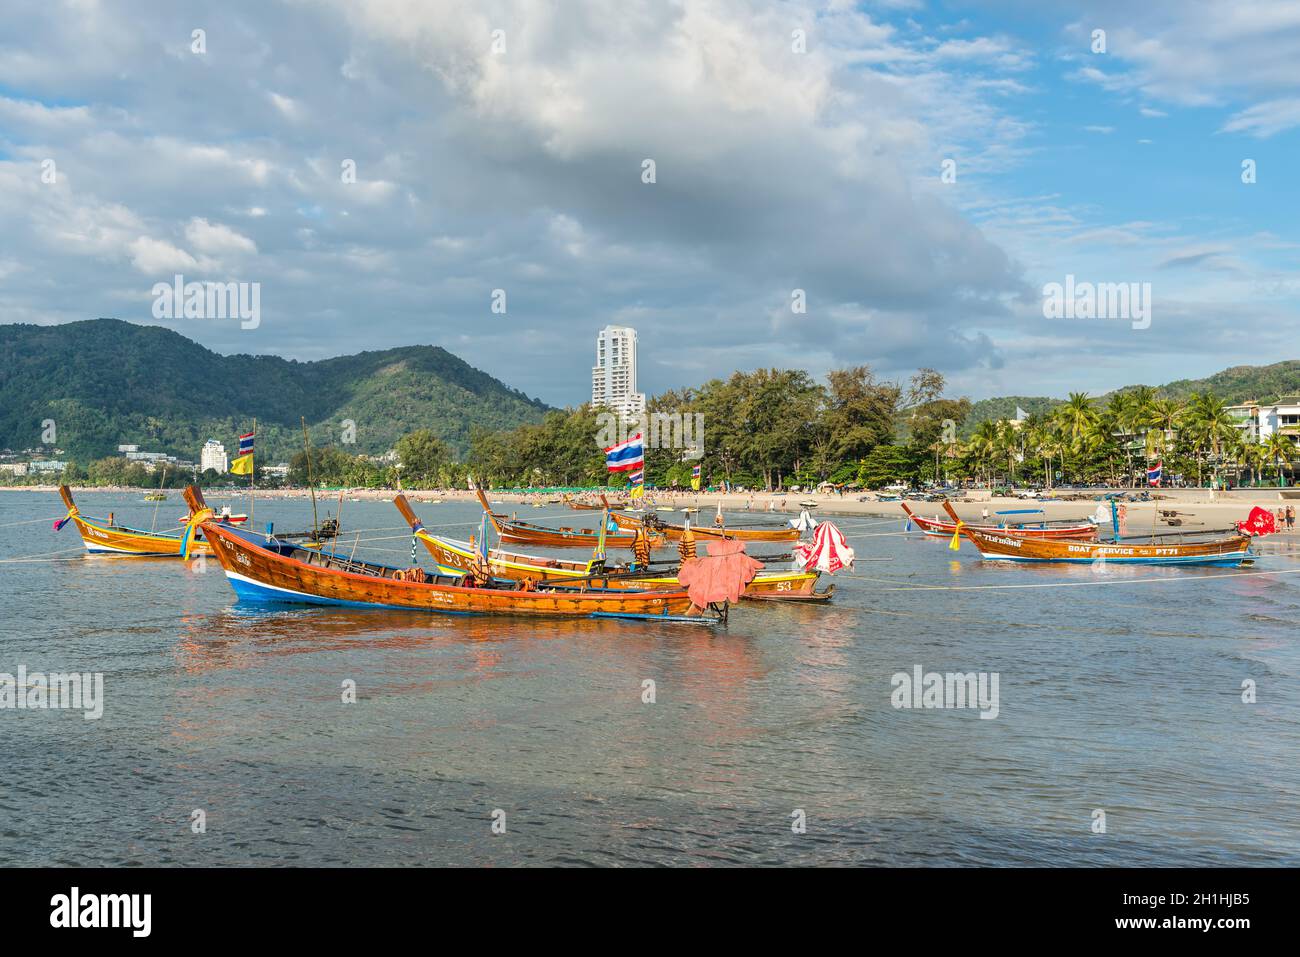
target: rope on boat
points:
(36, 557)
(33, 521)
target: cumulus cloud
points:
(519, 165)
(157, 256)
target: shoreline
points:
(1198, 508)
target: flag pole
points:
(252, 470)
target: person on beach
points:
(1290, 517)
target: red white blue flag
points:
(1153, 474)
(626, 456)
(246, 444)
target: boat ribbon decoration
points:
(72, 513)
(955, 544)
(191, 525)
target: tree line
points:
(774, 428)
(1084, 440)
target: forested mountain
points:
(105, 382)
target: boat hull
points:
(1084, 531)
(101, 538)
(456, 557)
(258, 573)
(675, 532)
(1014, 548)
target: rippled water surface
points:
(1119, 691)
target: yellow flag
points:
(638, 491)
(955, 544)
(242, 465)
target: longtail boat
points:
(265, 569)
(527, 533)
(1002, 546)
(104, 537)
(1074, 530)
(577, 506)
(674, 533)
(455, 557)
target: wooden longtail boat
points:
(998, 545)
(526, 533)
(102, 537)
(577, 506)
(674, 532)
(269, 570)
(1085, 531)
(455, 557)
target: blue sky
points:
(776, 169)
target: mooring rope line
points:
(40, 556)
(33, 521)
(1131, 581)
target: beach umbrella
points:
(828, 551)
(805, 522)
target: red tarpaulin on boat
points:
(828, 552)
(1260, 521)
(720, 576)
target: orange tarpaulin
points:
(721, 576)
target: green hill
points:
(105, 382)
(1236, 385)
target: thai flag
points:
(1153, 474)
(637, 477)
(626, 456)
(246, 444)
(695, 471)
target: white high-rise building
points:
(613, 377)
(213, 457)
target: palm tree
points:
(1254, 455)
(984, 445)
(1209, 424)
(1280, 449)
(1008, 445)
(1163, 417)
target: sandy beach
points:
(1196, 508)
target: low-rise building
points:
(1259, 420)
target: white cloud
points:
(1265, 119)
(216, 242)
(155, 257)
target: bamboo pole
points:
(311, 483)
